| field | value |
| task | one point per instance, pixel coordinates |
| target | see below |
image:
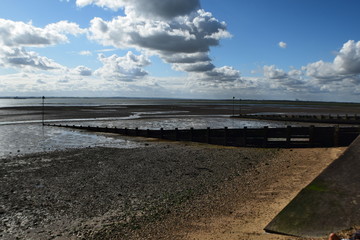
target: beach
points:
(65, 184)
(162, 190)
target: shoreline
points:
(19, 113)
(163, 190)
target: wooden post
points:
(176, 134)
(336, 136)
(312, 135)
(43, 110)
(266, 128)
(226, 136)
(208, 135)
(244, 136)
(233, 110)
(239, 107)
(288, 135)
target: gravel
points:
(110, 193)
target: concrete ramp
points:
(330, 203)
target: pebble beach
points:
(161, 190)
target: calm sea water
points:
(30, 137)
(13, 102)
(18, 102)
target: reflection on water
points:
(30, 138)
(182, 122)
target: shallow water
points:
(180, 122)
(22, 139)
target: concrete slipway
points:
(330, 203)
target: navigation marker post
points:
(43, 110)
(233, 108)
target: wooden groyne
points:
(288, 137)
(334, 119)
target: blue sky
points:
(254, 49)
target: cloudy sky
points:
(250, 49)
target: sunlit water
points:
(181, 122)
(21, 139)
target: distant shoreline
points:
(230, 100)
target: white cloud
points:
(224, 74)
(64, 27)
(85, 53)
(280, 79)
(26, 60)
(107, 50)
(72, 84)
(322, 70)
(272, 72)
(126, 68)
(83, 71)
(345, 65)
(20, 34)
(191, 34)
(112, 4)
(183, 41)
(341, 75)
(187, 57)
(347, 61)
(216, 78)
(283, 44)
(15, 37)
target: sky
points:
(204, 49)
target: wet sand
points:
(188, 107)
(163, 190)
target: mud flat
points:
(162, 190)
(175, 107)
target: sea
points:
(30, 136)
